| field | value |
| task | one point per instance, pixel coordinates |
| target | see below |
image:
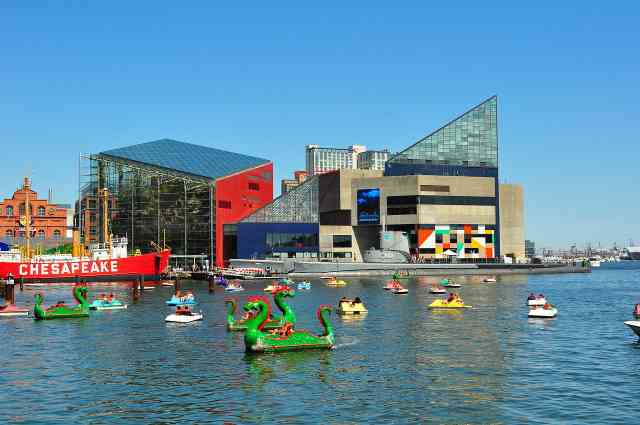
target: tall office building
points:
(322, 160)
(373, 160)
(529, 248)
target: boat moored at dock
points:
(101, 267)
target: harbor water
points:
(401, 363)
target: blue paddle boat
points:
(304, 285)
(107, 305)
(184, 300)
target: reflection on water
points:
(400, 363)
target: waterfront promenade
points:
(295, 268)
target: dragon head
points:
(285, 291)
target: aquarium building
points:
(172, 193)
(443, 192)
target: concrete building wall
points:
(457, 214)
(512, 220)
(457, 185)
(326, 241)
(429, 185)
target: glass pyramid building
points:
(299, 205)
(471, 140)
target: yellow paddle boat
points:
(336, 282)
(351, 306)
(451, 302)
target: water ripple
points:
(401, 363)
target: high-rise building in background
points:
(529, 248)
(289, 184)
(322, 160)
(373, 160)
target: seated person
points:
(357, 301)
(531, 297)
(285, 330)
(451, 297)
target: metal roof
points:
(187, 158)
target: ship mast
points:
(27, 216)
(105, 217)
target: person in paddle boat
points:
(183, 311)
(248, 315)
(56, 305)
(356, 301)
(344, 300)
(531, 297)
(284, 331)
(110, 298)
(453, 297)
(540, 296)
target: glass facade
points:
(149, 204)
(299, 205)
(471, 140)
(297, 241)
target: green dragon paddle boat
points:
(285, 338)
(274, 322)
(60, 310)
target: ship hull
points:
(147, 266)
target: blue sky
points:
(266, 80)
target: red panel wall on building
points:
(239, 195)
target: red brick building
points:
(48, 221)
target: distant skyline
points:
(270, 79)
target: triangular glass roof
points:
(299, 205)
(469, 140)
(188, 158)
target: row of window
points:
(292, 240)
(440, 200)
(342, 241)
(40, 234)
(9, 210)
(227, 204)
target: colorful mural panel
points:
(456, 240)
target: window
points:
(402, 210)
(41, 211)
(224, 204)
(342, 241)
(254, 186)
(9, 211)
(434, 188)
(22, 209)
(295, 241)
(56, 234)
(40, 234)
